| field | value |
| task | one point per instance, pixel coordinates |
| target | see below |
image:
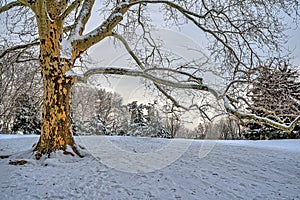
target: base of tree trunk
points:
(43, 151)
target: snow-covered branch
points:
(263, 120)
(105, 29)
(187, 85)
(83, 17)
(136, 73)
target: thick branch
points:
(83, 17)
(105, 29)
(139, 73)
(136, 73)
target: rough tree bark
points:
(56, 124)
(56, 131)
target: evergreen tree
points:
(27, 120)
(275, 93)
(145, 121)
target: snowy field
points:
(150, 168)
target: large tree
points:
(241, 34)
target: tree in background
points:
(241, 35)
(173, 123)
(229, 128)
(145, 120)
(137, 113)
(275, 94)
(19, 77)
(103, 104)
(27, 119)
(95, 109)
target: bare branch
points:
(23, 46)
(142, 67)
(10, 5)
(169, 3)
(136, 73)
(131, 53)
(75, 4)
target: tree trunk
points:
(56, 133)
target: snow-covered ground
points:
(152, 168)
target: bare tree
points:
(241, 35)
(19, 76)
(229, 128)
(173, 124)
(95, 104)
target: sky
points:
(294, 44)
(179, 41)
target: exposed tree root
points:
(17, 162)
(40, 153)
(75, 150)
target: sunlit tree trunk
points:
(56, 131)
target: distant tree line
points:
(104, 113)
(274, 93)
